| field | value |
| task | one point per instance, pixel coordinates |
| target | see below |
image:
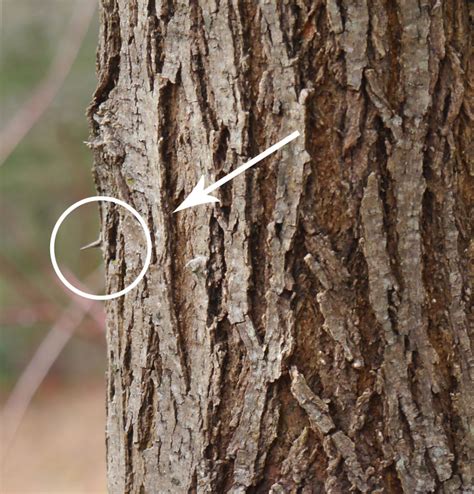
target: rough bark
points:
(310, 333)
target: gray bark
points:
(311, 332)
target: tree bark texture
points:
(311, 333)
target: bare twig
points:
(21, 315)
(17, 128)
(97, 315)
(37, 369)
(50, 348)
(18, 280)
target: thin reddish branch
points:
(22, 284)
(44, 94)
(26, 316)
(38, 367)
(98, 316)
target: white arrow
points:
(200, 195)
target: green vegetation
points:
(47, 172)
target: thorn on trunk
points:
(94, 244)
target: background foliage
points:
(48, 171)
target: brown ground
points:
(60, 445)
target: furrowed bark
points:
(311, 332)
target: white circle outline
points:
(52, 243)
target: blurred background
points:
(52, 344)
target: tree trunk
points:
(311, 332)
